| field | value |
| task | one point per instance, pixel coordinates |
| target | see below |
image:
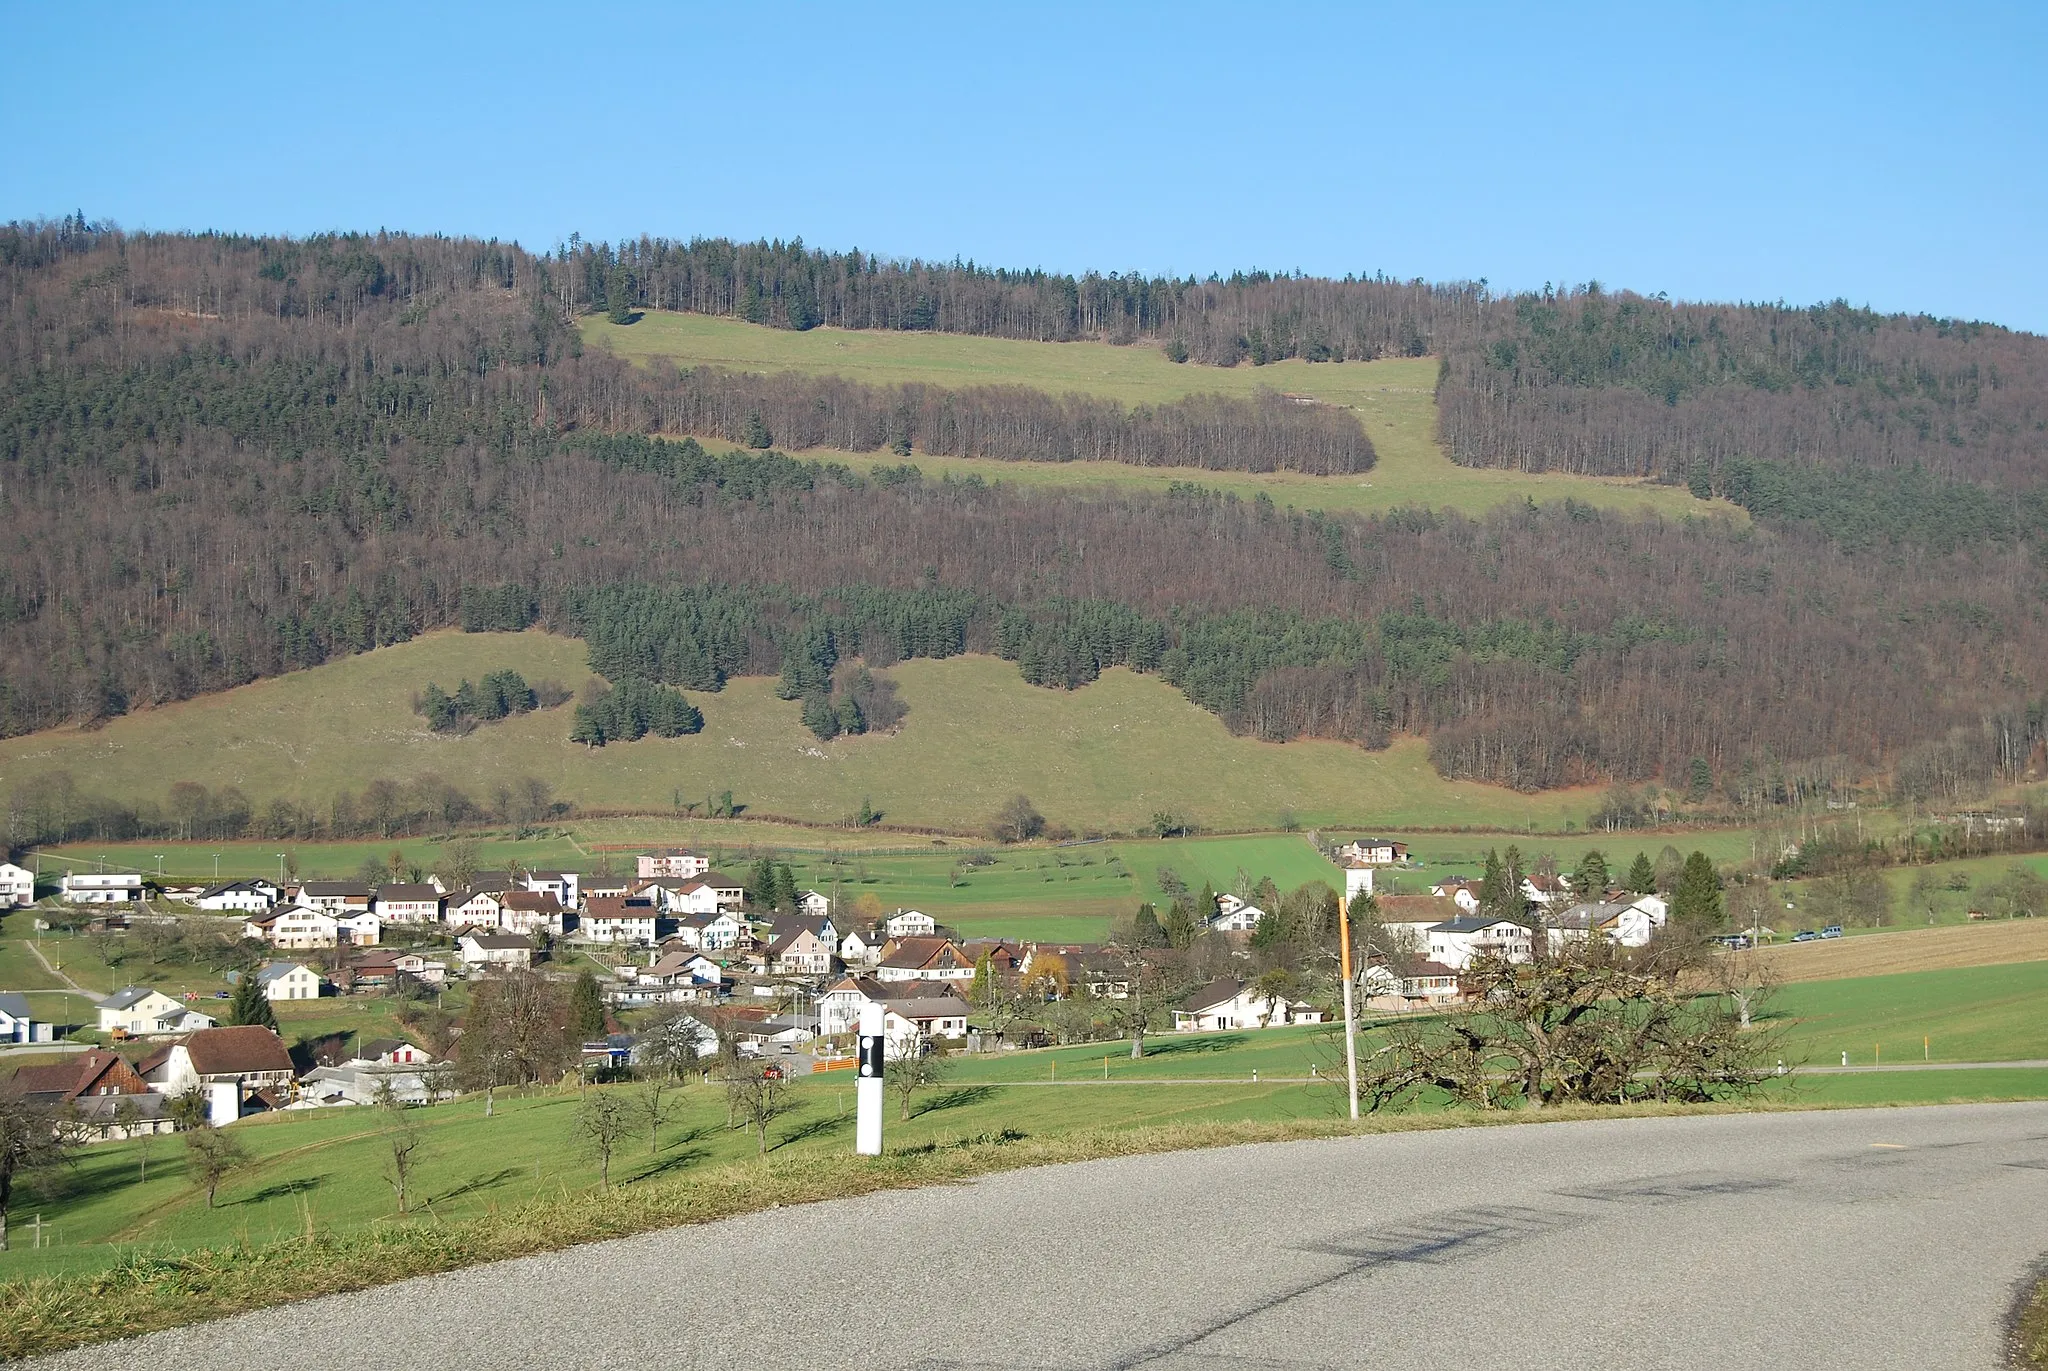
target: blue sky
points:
(1894, 155)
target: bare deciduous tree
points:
(601, 1122)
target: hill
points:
(1105, 757)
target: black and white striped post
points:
(867, 1091)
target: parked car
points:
(1831, 931)
(1806, 935)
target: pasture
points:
(1394, 399)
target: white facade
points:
(18, 1023)
(859, 947)
(1235, 916)
(1456, 943)
(239, 897)
(911, 923)
(635, 925)
(109, 887)
(140, 1012)
(672, 864)
(1357, 881)
(495, 949)
(17, 885)
(1230, 1004)
(563, 885)
(289, 981)
(478, 909)
(813, 904)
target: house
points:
(533, 911)
(1405, 920)
(337, 897)
(617, 920)
(472, 908)
(1005, 958)
(359, 929)
(182, 892)
(1231, 1003)
(813, 904)
(924, 959)
(1546, 890)
(139, 1012)
(802, 953)
(1426, 985)
(391, 1052)
(382, 969)
(672, 862)
(1374, 852)
(1626, 925)
(910, 923)
(354, 1083)
(674, 977)
(782, 1034)
(289, 981)
(1455, 943)
(709, 893)
(563, 885)
(97, 887)
(17, 886)
(239, 897)
(1463, 891)
(231, 1065)
(839, 1004)
(862, 946)
(488, 949)
(1235, 916)
(92, 1088)
(407, 903)
(908, 1026)
(710, 932)
(19, 1025)
(1357, 879)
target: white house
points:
(815, 905)
(839, 1004)
(1627, 925)
(533, 911)
(1374, 852)
(141, 1013)
(239, 897)
(1235, 916)
(563, 885)
(908, 1025)
(1231, 1003)
(494, 949)
(228, 1064)
(802, 953)
(617, 921)
(474, 908)
(372, 1083)
(1546, 890)
(1464, 893)
(19, 1025)
(862, 947)
(17, 885)
(925, 959)
(408, 903)
(672, 863)
(910, 923)
(710, 932)
(677, 976)
(1456, 942)
(1357, 880)
(289, 981)
(101, 887)
(709, 893)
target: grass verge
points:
(144, 1293)
(2030, 1328)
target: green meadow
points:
(1394, 399)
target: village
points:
(746, 969)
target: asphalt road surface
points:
(1858, 1239)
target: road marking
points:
(1897, 1147)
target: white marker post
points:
(1350, 1015)
(867, 1091)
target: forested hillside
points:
(229, 457)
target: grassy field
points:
(1909, 949)
(1961, 1014)
(1394, 399)
(1104, 757)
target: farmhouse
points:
(1374, 852)
(337, 897)
(710, 932)
(1628, 924)
(94, 1087)
(294, 926)
(924, 959)
(908, 1026)
(232, 1065)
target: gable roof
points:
(348, 890)
(230, 887)
(408, 890)
(1414, 909)
(915, 954)
(617, 907)
(1473, 923)
(536, 901)
(14, 1004)
(928, 1007)
(1213, 994)
(498, 941)
(129, 996)
(237, 1051)
(279, 970)
(66, 1078)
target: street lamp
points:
(216, 868)
(280, 869)
(159, 865)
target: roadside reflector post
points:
(867, 1091)
(1350, 1015)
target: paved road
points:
(1863, 1239)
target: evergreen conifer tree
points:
(1642, 877)
(586, 1009)
(1696, 902)
(250, 1005)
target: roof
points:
(1425, 969)
(65, 1078)
(408, 891)
(14, 1005)
(1588, 915)
(540, 901)
(381, 1047)
(615, 907)
(866, 986)
(129, 995)
(278, 970)
(914, 954)
(1473, 923)
(1213, 994)
(229, 887)
(499, 941)
(1413, 909)
(335, 890)
(928, 1007)
(237, 1051)
(459, 898)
